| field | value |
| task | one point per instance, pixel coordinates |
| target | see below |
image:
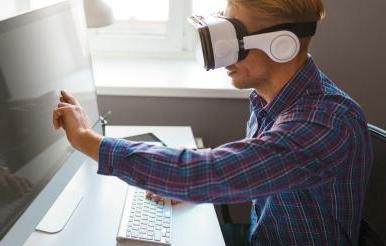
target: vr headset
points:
(225, 41)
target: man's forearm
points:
(89, 144)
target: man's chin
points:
(238, 84)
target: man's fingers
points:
(64, 104)
(59, 113)
(67, 98)
(174, 202)
(57, 118)
(149, 195)
(153, 197)
(157, 198)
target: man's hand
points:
(157, 198)
(70, 116)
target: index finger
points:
(68, 98)
(57, 118)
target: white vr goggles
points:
(225, 41)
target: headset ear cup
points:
(284, 48)
(280, 46)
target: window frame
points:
(121, 39)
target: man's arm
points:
(292, 155)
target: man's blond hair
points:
(287, 10)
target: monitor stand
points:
(60, 212)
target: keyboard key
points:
(134, 234)
(166, 225)
(167, 213)
(157, 235)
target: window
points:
(150, 27)
(145, 17)
(208, 7)
(144, 26)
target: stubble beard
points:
(244, 84)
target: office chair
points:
(373, 228)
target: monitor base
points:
(60, 212)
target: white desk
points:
(95, 221)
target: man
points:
(304, 163)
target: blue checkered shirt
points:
(304, 164)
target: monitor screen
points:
(41, 52)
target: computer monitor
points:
(42, 52)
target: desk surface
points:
(95, 221)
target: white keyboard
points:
(145, 220)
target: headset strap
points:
(300, 29)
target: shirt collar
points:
(289, 93)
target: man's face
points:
(255, 69)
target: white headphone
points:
(225, 41)
(280, 46)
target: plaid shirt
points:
(304, 165)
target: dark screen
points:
(41, 53)
(146, 137)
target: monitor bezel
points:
(36, 210)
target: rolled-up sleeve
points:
(293, 154)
